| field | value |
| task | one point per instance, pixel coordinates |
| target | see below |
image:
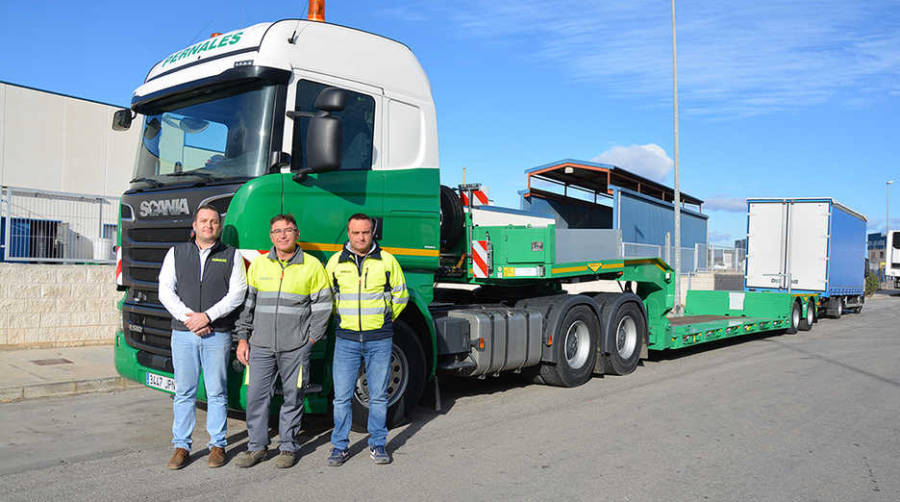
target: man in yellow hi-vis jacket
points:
(288, 306)
(370, 292)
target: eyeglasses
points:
(280, 231)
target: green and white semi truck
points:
(323, 121)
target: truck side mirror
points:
(122, 120)
(325, 133)
(331, 99)
(324, 144)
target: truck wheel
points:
(407, 381)
(629, 333)
(796, 312)
(839, 309)
(807, 322)
(575, 342)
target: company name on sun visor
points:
(208, 45)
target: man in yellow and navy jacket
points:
(370, 292)
(288, 306)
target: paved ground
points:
(805, 417)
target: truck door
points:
(766, 244)
(808, 245)
(323, 202)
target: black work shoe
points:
(249, 458)
(380, 455)
(285, 460)
(338, 457)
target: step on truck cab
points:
(324, 121)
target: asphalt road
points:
(807, 417)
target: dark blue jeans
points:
(347, 356)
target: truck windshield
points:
(217, 136)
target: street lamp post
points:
(677, 201)
(887, 224)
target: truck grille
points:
(145, 322)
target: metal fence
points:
(42, 226)
(700, 258)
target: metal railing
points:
(700, 258)
(43, 226)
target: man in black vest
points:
(201, 283)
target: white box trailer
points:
(814, 245)
(892, 258)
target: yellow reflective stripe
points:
(322, 246)
(300, 377)
(247, 375)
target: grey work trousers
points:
(265, 364)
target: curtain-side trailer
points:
(810, 245)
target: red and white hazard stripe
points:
(119, 281)
(480, 198)
(250, 254)
(480, 260)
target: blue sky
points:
(777, 98)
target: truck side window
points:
(359, 123)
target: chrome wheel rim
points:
(577, 344)
(810, 316)
(795, 317)
(626, 337)
(398, 379)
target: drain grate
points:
(50, 362)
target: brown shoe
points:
(216, 456)
(179, 459)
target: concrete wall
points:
(57, 305)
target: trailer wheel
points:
(807, 322)
(575, 342)
(796, 312)
(407, 380)
(629, 333)
(838, 309)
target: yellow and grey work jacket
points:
(288, 302)
(369, 292)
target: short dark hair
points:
(361, 216)
(283, 217)
(209, 207)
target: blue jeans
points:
(347, 356)
(190, 353)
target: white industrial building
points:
(50, 141)
(62, 168)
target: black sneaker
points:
(380, 455)
(338, 457)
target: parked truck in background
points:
(324, 121)
(812, 245)
(892, 259)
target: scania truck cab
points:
(232, 121)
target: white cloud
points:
(729, 204)
(649, 161)
(735, 58)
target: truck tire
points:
(452, 219)
(838, 309)
(628, 329)
(575, 343)
(796, 318)
(807, 322)
(408, 374)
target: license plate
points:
(161, 382)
